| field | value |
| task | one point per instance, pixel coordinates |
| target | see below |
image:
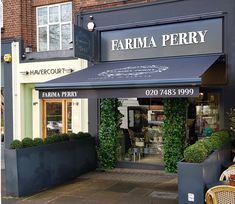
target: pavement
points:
(118, 186)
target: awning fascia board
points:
(130, 84)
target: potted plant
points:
(202, 166)
(34, 165)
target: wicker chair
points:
(226, 173)
(223, 194)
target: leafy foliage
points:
(107, 148)
(207, 144)
(16, 144)
(174, 132)
(199, 151)
(37, 141)
(27, 142)
(196, 153)
(79, 136)
(231, 116)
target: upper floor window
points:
(54, 27)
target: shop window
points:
(203, 116)
(54, 27)
(57, 117)
(207, 114)
(142, 126)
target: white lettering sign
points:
(59, 94)
(172, 39)
(50, 71)
(133, 43)
(194, 37)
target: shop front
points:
(33, 117)
(143, 59)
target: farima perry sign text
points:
(173, 39)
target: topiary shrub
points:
(52, 139)
(37, 141)
(195, 153)
(216, 142)
(207, 144)
(64, 137)
(73, 136)
(223, 135)
(27, 142)
(16, 144)
(86, 134)
(79, 136)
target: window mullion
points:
(60, 27)
(48, 32)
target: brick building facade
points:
(20, 16)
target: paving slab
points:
(119, 186)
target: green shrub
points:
(52, 139)
(64, 137)
(37, 141)
(16, 144)
(231, 117)
(202, 148)
(223, 135)
(195, 153)
(81, 134)
(86, 134)
(73, 136)
(78, 136)
(207, 144)
(27, 142)
(216, 142)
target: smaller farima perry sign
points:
(178, 39)
(58, 94)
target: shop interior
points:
(141, 139)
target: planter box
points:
(193, 178)
(33, 169)
(225, 156)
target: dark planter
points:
(193, 179)
(33, 169)
(225, 155)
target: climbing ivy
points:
(108, 132)
(174, 132)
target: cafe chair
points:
(222, 194)
(232, 166)
(226, 173)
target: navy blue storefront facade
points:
(166, 32)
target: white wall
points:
(80, 120)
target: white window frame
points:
(56, 23)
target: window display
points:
(143, 134)
(207, 114)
